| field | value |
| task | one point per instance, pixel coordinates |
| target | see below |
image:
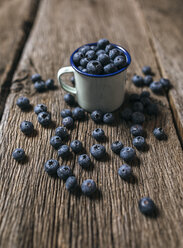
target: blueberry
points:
(134, 97)
(94, 67)
(27, 127)
(40, 86)
(120, 61)
(148, 80)
(97, 116)
(116, 146)
(65, 113)
(51, 166)
(145, 101)
(80, 68)
(127, 154)
(102, 43)
(147, 206)
(18, 154)
(84, 161)
(144, 94)
(165, 83)
(137, 130)
(108, 118)
(85, 70)
(152, 109)
(114, 53)
(44, 118)
(61, 132)
(84, 49)
(125, 171)
(139, 142)
(138, 107)
(156, 87)
(94, 48)
(159, 133)
(138, 118)
(63, 151)
(40, 108)
(98, 151)
(84, 62)
(72, 79)
(71, 183)
(23, 103)
(126, 114)
(91, 55)
(36, 77)
(68, 122)
(78, 113)
(103, 59)
(64, 172)
(69, 99)
(100, 52)
(76, 146)
(98, 134)
(56, 141)
(49, 83)
(77, 57)
(88, 187)
(147, 70)
(138, 81)
(109, 47)
(110, 68)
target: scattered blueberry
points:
(165, 83)
(76, 146)
(44, 118)
(147, 206)
(120, 61)
(126, 114)
(68, 122)
(98, 151)
(97, 116)
(156, 87)
(65, 113)
(102, 43)
(134, 97)
(77, 57)
(94, 67)
(61, 132)
(147, 70)
(36, 77)
(88, 187)
(137, 130)
(116, 146)
(103, 59)
(144, 94)
(90, 55)
(152, 109)
(40, 108)
(159, 133)
(63, 151)
(18, 154)
(109, 47)
(138, 107)
(127, 154)
(50, 84)
(23, 103)
(40, 86)
(71, 183)
(84, 49)
(138, 118)
(110, 68)
(98, 134)
(125, 171)
(148, 80)
(138, 81)
(56, 141)
(51, 166)
(139, 142)
(145, 101)
(114, 53)
(64, 172)
(69, 99)
(84, 161)
(27, 127)
(108, 118)
(78, 113)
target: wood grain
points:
(164, 19)
(35, 209)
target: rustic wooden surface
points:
(35, 209)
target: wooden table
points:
(35, 209)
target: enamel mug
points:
(93, 92)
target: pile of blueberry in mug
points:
(103, 58)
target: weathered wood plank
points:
(36, 210)
(16, 20)
(164, 19)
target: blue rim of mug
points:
(128, 57)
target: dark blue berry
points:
(84, 161)
(125, 171)
(84, 62)
(84, 49)
(152, 109)
(88, 187)
(49, 83)
(65, 113)
(148, 80)
(85, 70)
(23, 103)
(98, 151)
(61, 132)
(137, 130)
(165, 83)
(72, 79)
(134, 97)
(77, 57)
(80, 68)
(109, 47)
(18, 154)
(102, 43)
(40, 86)
(76, 146)
(156, 87)
(114, 53)
(127, 154)
(139, 142)
(94, 67)
(40, 108)
(44, 118)
(51, 166)
(98, 134)
(126, 114)
(63, 151)
(27, 127)
(110, 68)
(56, 141)
(68, 122)
(147, 70)
(103, 59)
(71, 183)
(94, 48)
(78, 113)
(100, 52)
(36, 77)
(116, 146)
(138, 107)
(138, 118)
(147, 206)
(97, 116)
(108, 118)
(144, 94)
(120, 61)
(91, 55)
(159, 133)
(64, 172)
(69, 99)
(138, 81)
(145, 101)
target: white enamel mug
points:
(93, 92)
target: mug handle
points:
(66, 87)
